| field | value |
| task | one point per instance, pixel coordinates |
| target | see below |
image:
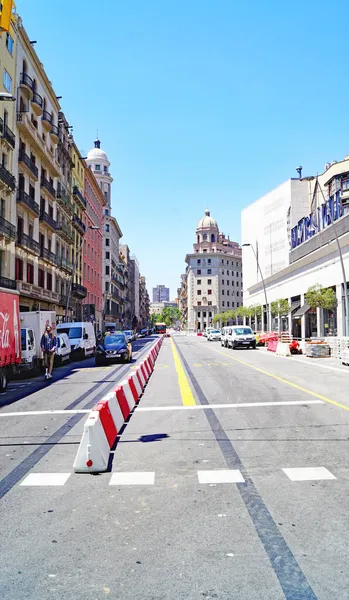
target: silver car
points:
(214, 335)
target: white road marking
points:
(238, 405)
(220, 476)
(44, 479)
(308, 362)
(308, 474)
(133, 478)
(43, 412)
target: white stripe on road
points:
(308, 474)
(46, 479)
(133, 478)
(220, 476)
(44, 412)
(238, 405)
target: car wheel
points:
(253, 346)
(98, 362)
(3, 380)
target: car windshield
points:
(110, 340)
(242, 330)
(127, 332)
(23, 340)
(72, 332)
(215, 331)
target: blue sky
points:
(198, 103)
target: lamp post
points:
(265, 291)
(96, 228)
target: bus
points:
(160, 327)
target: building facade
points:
(8, 172)
(214, 275)
(143, 303)
(310, 256)
(78, 290)
(92, 250)
(161, 294)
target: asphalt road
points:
(197, 504)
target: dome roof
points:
(207, 221)
(96, 153)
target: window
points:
(49, 281)
(208, 261)
(223, 303)
(199, 261)
(228, 293)
(232, 283)
(209, 281)
(209, 292)
(237, 293)
(107, 270)
(105, 169)
(30, 273)
(222, 292)
(209, 271)
(19, 269)
(199, 303)
(204, 237)
(205, 249)
(227, 262)
(7, 81)
(210, 314)
(204, 314)
(228, 281)
(237, 264)
(233, 303)
(199, 271)
(209, 303)
(199, 282)
(107, 286)
(199, 292)
(97, 167)
(107, 241)
(222, 261)
(107, 228)
(107, 255)
(227, 272)
(199, 314)
(228, 303)
(222, 281)
(9, 43)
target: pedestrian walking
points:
(48, 346)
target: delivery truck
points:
(10, 350)
(33, 325)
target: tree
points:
(216, 318)
(280, 307)
(274, 308)
(319, 297)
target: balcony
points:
(48, 256)
(7, 230)
(65, 231)
(34, 291)
(7, 135)
(78, 290)
(65, 264)
(29, 202)
(27, 127)
(50, 221)
(78, 196)
(37, 104)
(63, 300)
(28, 163)
(46, 120)
(54, 133)
(79, 225)
(63, 199)
(48, 187)
(7, 180)
(26, 83)
(9, 284)
(27, 242)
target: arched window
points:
(213, 237)
(204, 237)
(198, 239)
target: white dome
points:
(97, 154)
(207, 221)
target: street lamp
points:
(6, 97)
(265, 291)
(96, 228)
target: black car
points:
(114, 346)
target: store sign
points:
(324, 216)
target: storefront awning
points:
(301, 311)
(295, 305)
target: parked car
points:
(207, 331)
(63, 352)
(143, 333)
(81, 336)
(213, 335)
(114, 347)
(238, 335)
(130, 335)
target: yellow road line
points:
(184, 387)
(286, 381)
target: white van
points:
(81, 336)
(238, 335)
(63, 351)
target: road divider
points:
(108, 416)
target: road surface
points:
(230, 481)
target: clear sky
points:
(197, 103)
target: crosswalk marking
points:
(220, 476)
(308, 474)
(133, 478)
(43, 479)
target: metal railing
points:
(7, 134)
(26, 80)
(23, 197)
(7, 229)
(54, 130)
(10, 284)
(79, 290)
(76, 192)
(78, 222)
(66, 229)
(37, 100)
(47, 117)
(27, 242)
(46, 218)
(24, 158)
(7, 178)
(64, 263)
(48, 255)
(48, 186)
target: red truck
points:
(10, 346)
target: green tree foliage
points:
(319, 297)
(274, 308)
(169, 316)
(280, 307)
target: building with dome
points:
(112, 274)
(213, 280)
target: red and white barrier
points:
(108, 416)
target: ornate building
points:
(213, 275)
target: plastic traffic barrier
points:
(128, 394)
(93, 451)
(147, 368)
(107, 420)
(133, 388)
(121, 398)
(144, 371)
(139, 375)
